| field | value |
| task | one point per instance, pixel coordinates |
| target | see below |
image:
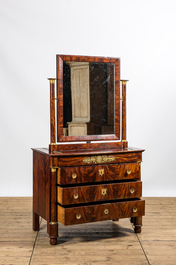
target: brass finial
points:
(52, 80)
(124, 81)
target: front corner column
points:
(53, 225)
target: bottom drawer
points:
(100, 212)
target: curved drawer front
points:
(100, 212)
(93, 193)
(98, 173)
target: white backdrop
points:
(141, 33)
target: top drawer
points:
(117, 158)
(74, 175)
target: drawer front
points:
(93, 193)
(93, 213)
(99, 159)
(98, 173)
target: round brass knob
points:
(134, 209)
(78, 216)
(106, 211)
(128, 171)
(132, 190)
(75, 196)
(74, 175)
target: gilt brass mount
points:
(106, 211)
(132, 190)
(78, 216)
(103, 192)
(129, 171)
(74, 175)
(101, 172)
(134, 210)
(98, 159)
(53, 169)
(75, 196)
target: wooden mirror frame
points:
(92, 59)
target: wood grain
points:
(93, 213)
(93, 193)
(119, 158)
(86, 174)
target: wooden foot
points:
(35, 222)
(53, 232)
(137, 224)
(132, 220)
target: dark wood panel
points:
(41, 185)
(119, 158)
(92, 173)
(100, 212)
(103, 192)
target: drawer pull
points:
(74, 175)
(103, 191)
(132, 190)
(75, 196)
(101, 172)
(78, 216)
(129, 171)
(106, 211)
(134, 209)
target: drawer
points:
(72, 161)
(103, 192)
(100, 212)
(98, 173)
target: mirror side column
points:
(124, 140)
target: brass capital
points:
(124, 82)
(52, 80)
(53, 169)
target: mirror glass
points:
(88, 98)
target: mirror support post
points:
(124, 140)
(52, 112)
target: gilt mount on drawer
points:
(98, 159)
(88, 173)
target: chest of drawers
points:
(79, 187)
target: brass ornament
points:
(98, 159)
(103, 192)
(129, 171)
(75, 196)
(134, 210)
(52, 80)
(124, 82)
(132, 190)
(53, 169)
(78, 216)
(74, 175)
(106, 211)
(53, 223)
(101, 172)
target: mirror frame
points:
(59, 74)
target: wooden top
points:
(87, 152)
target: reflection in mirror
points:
(88, 98)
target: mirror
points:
(88, 98)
